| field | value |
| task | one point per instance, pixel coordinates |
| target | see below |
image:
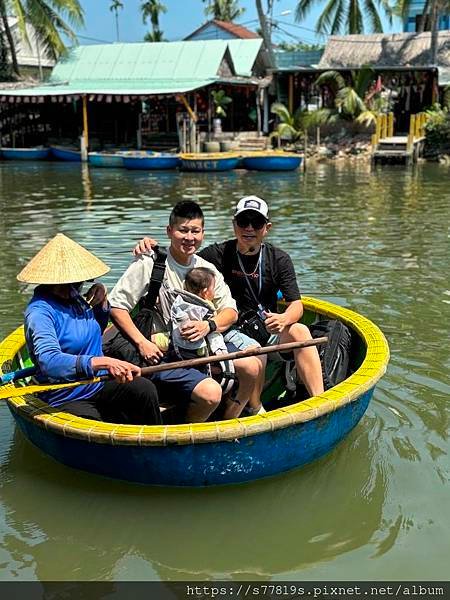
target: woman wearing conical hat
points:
(63, 331)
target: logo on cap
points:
(252, 204)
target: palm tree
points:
(359, 101)
(346, 16)
(50, 19)
(223, 10)
(432, 10)
(151, 10)
(115, 5)
(265, 29)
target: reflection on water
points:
(375, 508)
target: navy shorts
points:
(177, 385)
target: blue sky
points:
(183, 17)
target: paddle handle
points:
(205, 360)
(15, 375)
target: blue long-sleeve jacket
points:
(62, 338)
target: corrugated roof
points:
(145, 68)
(244, 54)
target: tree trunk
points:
(266, 34)
(9, 36)
(434, 26)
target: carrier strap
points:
(159, 268)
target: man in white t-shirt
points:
(201, 393)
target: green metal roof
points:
(244, 53)
(144, 68)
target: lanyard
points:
(259, 268)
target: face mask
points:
(75, 289)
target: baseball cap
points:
(252, 203)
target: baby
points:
(199, 282)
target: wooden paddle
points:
(11, 392)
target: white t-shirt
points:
(134, 283)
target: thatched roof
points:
(384, 51)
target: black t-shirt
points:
(277, 274)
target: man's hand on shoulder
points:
(144, 246)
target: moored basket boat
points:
(212, 453)
(37, 153)
(271, 161)
(150, 161)
(65, 153)
(106, 159)
(209, 161)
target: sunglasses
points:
(256, 221)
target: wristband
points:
(212, 325)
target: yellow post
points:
(85, 145)
(417, 131)
(188, 108)
(384, 127)
(291, 94)
(412, 125)
(390, 124)
(378, 128)
(374, 141)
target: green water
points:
(375, 508)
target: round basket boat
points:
(220, 452)
(209, 161)
(271, 161)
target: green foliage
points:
(220, 100)
(437, 128)
(355, 100)
(223, 10)
(293, 126)
(52, 21)
(346, 16)
(151, 10)
(300, 46)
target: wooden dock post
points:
(390, 124)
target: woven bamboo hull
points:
(222, 452)
(105, 160)
(150, 162)
(238, 461)
(209, 162)
(67, 154)
(25, 153)
(261, 162)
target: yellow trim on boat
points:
(208, 155)
(371, 370)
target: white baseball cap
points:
(252, 203)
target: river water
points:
(377, 507)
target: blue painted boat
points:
(106, 159)
(150, 161)
(66, 153)
(271, 161)
(209, 161)
(212, 453)
(37, 153)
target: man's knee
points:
(248, 367)
(208, 392)
(299, 332)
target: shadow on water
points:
(279, 525)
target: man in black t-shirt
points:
(255, 271)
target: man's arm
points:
(277, 322)
(123, 321)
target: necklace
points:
(258, 262)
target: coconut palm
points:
(293, 126)
(223, 10)
(431, 12)
(115, 5)
(359, 100)
(266, 29)
(151, 9)
(346, 16)
(51, 20)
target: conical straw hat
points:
(62, 260)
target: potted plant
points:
(220, 101)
